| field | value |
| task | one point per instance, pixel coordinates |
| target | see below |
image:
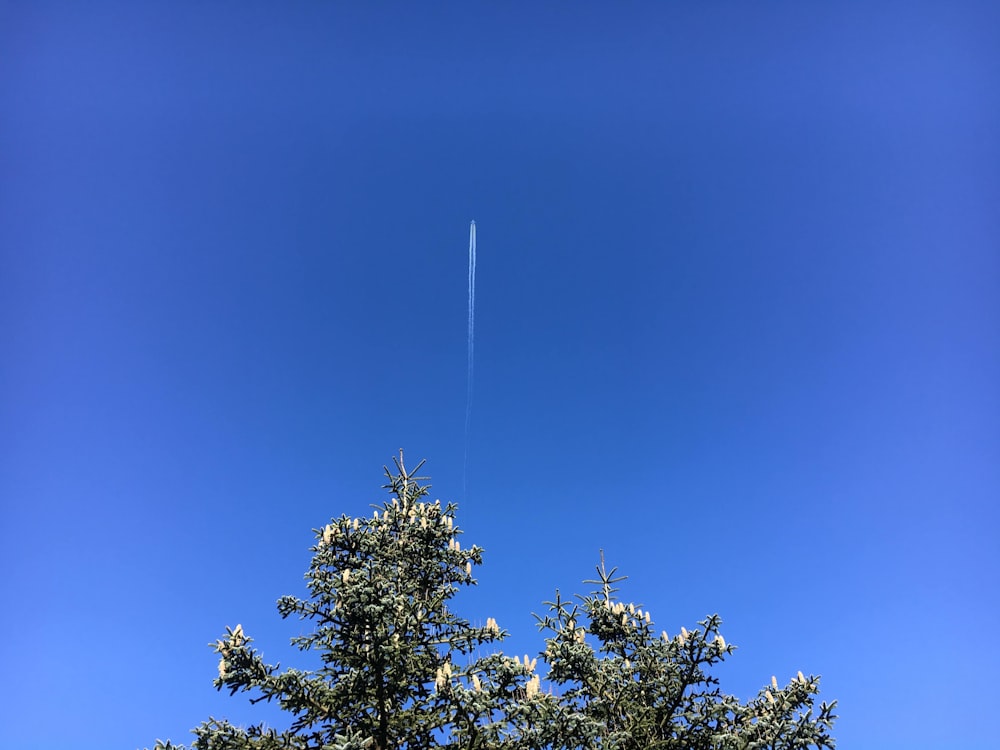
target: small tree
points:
(397, 669)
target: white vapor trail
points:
(472, 332)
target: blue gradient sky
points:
(737, 324)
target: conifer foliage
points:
(399, 670)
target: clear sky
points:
(737, 325)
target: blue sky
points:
(738, 295)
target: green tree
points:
(398, 668)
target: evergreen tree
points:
(398, 668)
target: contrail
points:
(472, 337)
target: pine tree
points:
(623, 686)
(398, 668)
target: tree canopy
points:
(399, 669)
